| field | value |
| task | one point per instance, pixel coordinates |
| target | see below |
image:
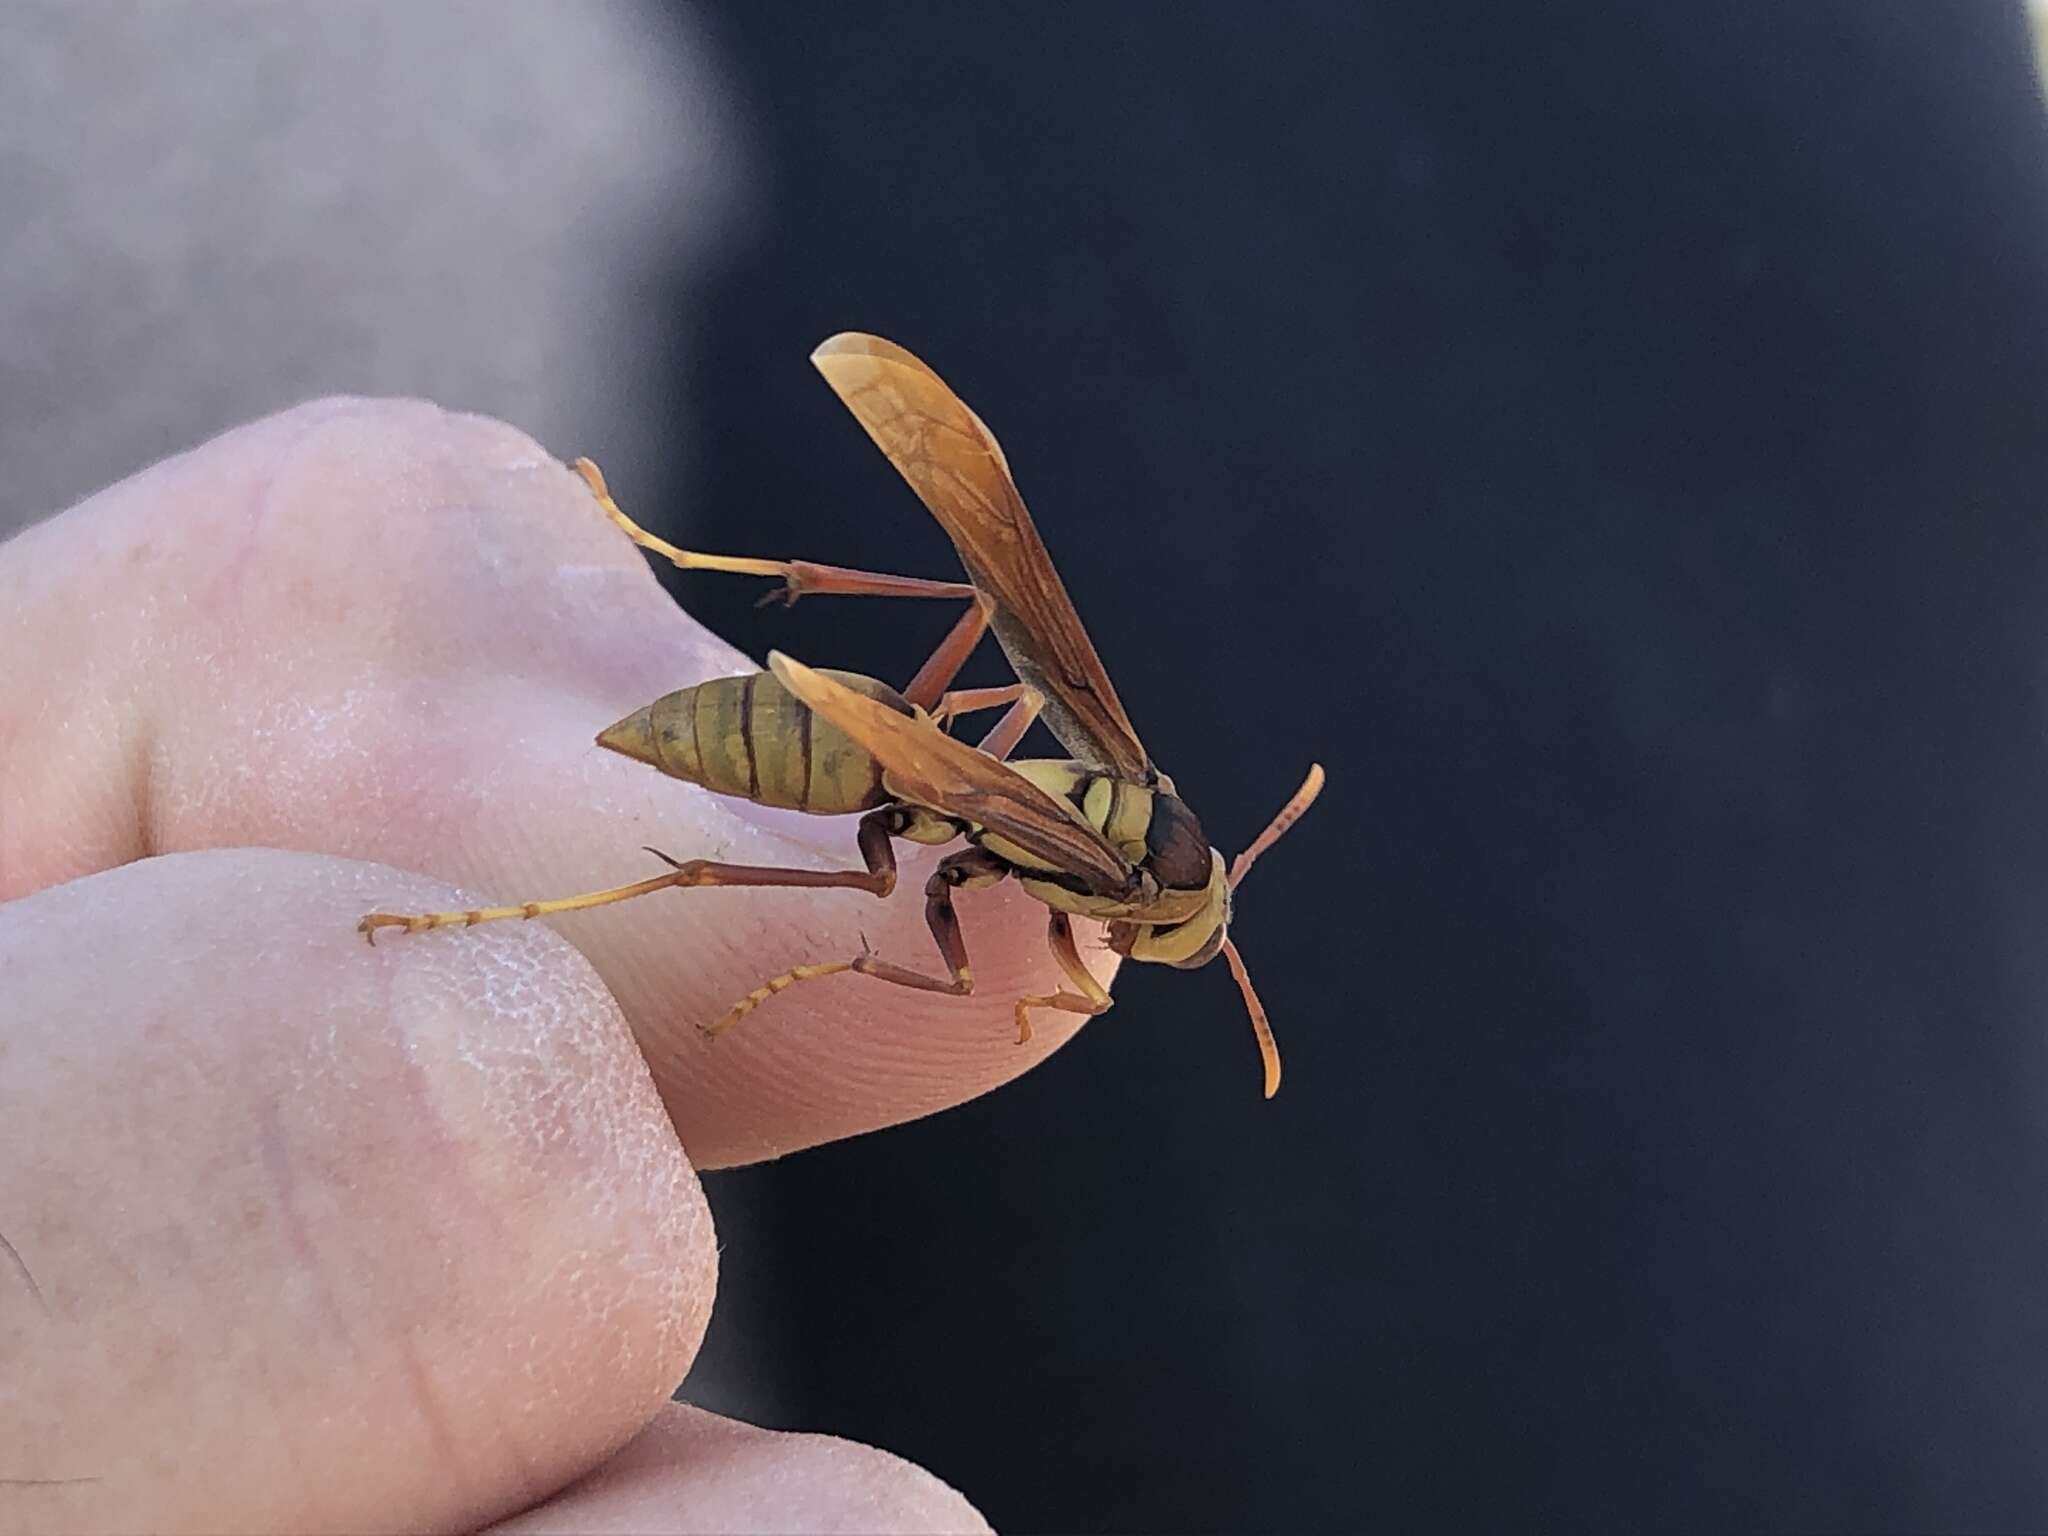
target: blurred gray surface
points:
(208, 212)
(211, 211)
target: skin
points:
(304, 1234)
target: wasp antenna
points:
(1269, 1048)
(1290, 813)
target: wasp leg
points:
(956, 702)
(1002, 741)
(876, 851)
(1025, 703)
(926, 690)
(970, 867)
(799, 577)
(1024, 700)
(1093, 997)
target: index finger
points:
(380, 630)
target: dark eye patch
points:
(1175, 848)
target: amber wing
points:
(924, 764)
(957, 468)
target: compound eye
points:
(1177, 851)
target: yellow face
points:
(1191, 942)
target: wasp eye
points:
(1179, 853)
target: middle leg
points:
(971, 867)
(1025, 704)
(956, 702)
(1002, 741)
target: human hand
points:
(315, 1235)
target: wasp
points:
(1101, 834)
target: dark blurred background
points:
(1611, 438)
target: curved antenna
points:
(1269, 1048)
(1262, 1027)
(1290, 813)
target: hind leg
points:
(799, 577)
(878, 878)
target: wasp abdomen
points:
(750, 737)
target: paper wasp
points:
(1101, 835)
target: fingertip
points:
(542, 1070)
(403, 1228)
(693, 1471)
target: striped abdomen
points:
(750, 737)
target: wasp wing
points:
(923, 764)
(957, 468)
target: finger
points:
(307, 1242)
(386, 632)
(692, 1471)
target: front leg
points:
(1092, 999)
